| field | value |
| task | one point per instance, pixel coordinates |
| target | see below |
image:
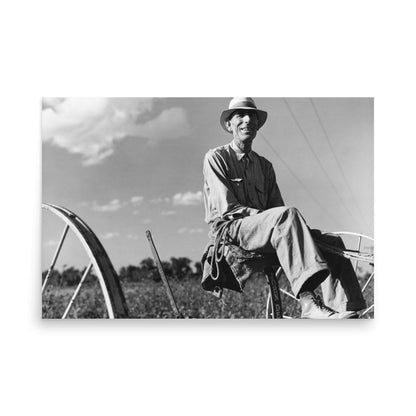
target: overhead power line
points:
(335, 157)
(319, 162)
(313, 197)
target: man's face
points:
(244, 125)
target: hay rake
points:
(115, 303)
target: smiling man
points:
(243, 205)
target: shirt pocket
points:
(238, 188)
(262, 194)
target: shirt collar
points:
(239, 153)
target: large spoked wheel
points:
(111, 296)
(359, 249)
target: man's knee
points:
(284, 210)
(292, 211)
(284, 214)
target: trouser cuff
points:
(300, 281)
(356, 305)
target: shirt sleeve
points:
(275, 197)
(221, 197)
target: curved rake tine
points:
(268, 303)
(348, 254)
(367, 310)
(289, 294)
(358, 249)
(55, 257)
(368, 281)
(269, 297)
(68, 308)
(350, 233)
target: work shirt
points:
(238, 184)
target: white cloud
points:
(136, 212)
(188, 198)
(109, 236)
(51, 102)
(92, 126)
(168, 213)
(112, 206)
(51, 243)
(186, 230)
(169, 124)
(132, 236)
(147, 221)
(160, 200)
(136, 200)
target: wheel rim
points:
(115, 302)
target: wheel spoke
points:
(55, 257)
(68, 308)
(368, 281)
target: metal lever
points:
(163, 276)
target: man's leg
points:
(284, 231)
(341, 291)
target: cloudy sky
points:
(125, 165)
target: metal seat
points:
(244, 263)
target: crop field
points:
(147, 299)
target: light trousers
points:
(284, 231)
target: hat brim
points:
(225, 115)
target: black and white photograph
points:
(207, 208)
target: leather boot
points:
(313, 308)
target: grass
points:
(148, 299)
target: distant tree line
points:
(176, 268)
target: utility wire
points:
(316, 200)
(319, 162)
(336, 158)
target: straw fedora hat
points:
(242, 103)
